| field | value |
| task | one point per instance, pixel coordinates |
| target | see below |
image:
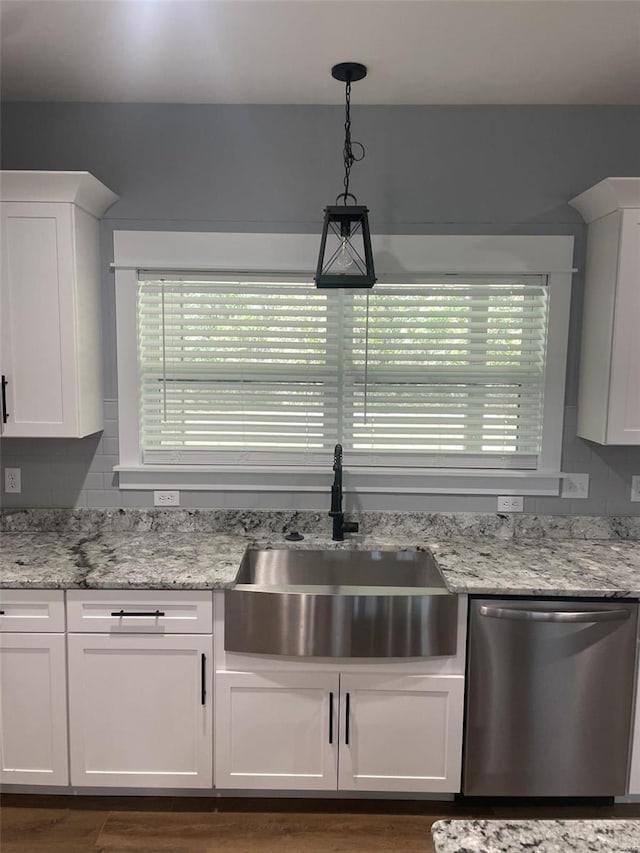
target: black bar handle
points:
(137, 612)
(1, 612)
(346, 721)
(203, 675)
(5, 413)
(331, 717)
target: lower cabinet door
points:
(33, 710)
(140, 710)
(401, 734)
(276, 731)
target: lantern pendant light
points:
(346, 259)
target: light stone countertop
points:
(119, 560)
(541, 836)
(562, 567)
(196, 560)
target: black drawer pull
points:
(1, 612)
(346, 724)
(5, 413)
(331, 717)
(203, 673)
(137, 612)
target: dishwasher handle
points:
(554, 615)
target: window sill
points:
(409, 481)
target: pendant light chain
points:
(348, 155)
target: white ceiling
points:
(281, 51)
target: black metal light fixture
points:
(346, 259)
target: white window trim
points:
(398, 257)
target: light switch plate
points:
(575, 486)
(635, 488)
(510, 503)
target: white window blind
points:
(241, 371)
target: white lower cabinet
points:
(329, 731)
(276, 730)
(134, 690)
(401, 733)
(33, 709)
(140, 710)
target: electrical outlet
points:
(509, 503)
(575, 486)
(166, 498)
(635, 488)
(12, 480)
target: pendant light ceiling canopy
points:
(346, 259)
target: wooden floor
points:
(68, 824)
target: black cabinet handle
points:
(203, 671)
(137, 612)
(5, 413)
(1, 612)
(346, 721)
(331, 717)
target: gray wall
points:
(455, 170)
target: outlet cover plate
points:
(635, 488)
(12, 481)
(510, 503)
(575, 486)
(166, 498)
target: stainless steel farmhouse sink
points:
(340, 604)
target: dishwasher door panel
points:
(549, 697)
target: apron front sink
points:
(316, 603)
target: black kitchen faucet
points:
(340, 526)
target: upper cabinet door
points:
(50, 326)
(609, 387)
(624, 402)
(38, 307)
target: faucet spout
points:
(340, 526)
(336, 489)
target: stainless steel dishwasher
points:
(549, 697)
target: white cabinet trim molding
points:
(79, 188)
(609, 195)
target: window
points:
(235, 372)
(246, 370)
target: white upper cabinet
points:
(609, 389)
(50, 327)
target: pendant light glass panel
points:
(346, 258)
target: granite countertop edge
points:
(200, 561)
(597, 835)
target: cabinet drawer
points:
(139, 612)
(26, 610)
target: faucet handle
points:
(350, 526)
